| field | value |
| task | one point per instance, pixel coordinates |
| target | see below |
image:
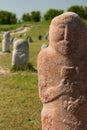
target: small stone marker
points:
(20, 52)
(44, 46)
(62, 75)
(6, 42)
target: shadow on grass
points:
(27, 67)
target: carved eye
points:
(61, 35)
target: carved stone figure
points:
(62, 75)
(6, 42)
(20, 52)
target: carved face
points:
(65, 39)
(65, 36)
(20, 52)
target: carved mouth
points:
(65, 47)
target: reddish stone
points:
(62, 75)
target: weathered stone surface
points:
(62, 75)
(6, 42)
(20, 52)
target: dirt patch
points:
(22, 30)
(4, 70)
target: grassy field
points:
(20, 106)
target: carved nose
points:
(66, 36)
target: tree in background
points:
(26, 17)
(10, 18)
(7, 17)
(85, 12)
(35, 16)
(51, 13)
(80, 10)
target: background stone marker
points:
(62, 75)
(20, 52)
(6, 42)
(45, 45)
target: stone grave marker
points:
(6, 42)
(20, 53)
(62, 75)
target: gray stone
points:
(20, 53)
(29, 38)
(44, 46)
(6, 42)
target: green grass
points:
(20, 106)
(9, 27)
(27, 67)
